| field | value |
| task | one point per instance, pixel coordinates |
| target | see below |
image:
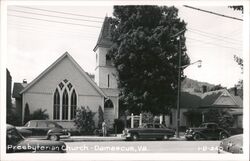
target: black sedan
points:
(233, 144)
(207, 131)
(15, 142)
(44, 129)
(148, 131)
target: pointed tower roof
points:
(104, 39)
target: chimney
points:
(24, 83)
(235, 91)
(204, 88)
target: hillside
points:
(195, 86)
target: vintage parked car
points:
(233, 144)
(148, 131)
(43, 129)
(206, 131)
(15, 142)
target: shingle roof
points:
(18, 87)
(104, 39)
(190, 100)
(193, 99)
(209, 98)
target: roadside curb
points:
(93, 138)
(107, 138)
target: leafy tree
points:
(147, 117)
(26, 113)
(13, 118)
(84, 120)
(39, 114)
(145, 54)
(237, 8)
(239, 61)
(217, 87)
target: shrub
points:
(118, 125)
(84, 120)
(147, 117)
(39, 114)
(26, 113)
(222, 117)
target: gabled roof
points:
(207, 99)
(190, 100)
(66, 54)
(104, 39)
(17, 88)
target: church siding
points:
(41, 94)
(64, 70)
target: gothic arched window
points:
(64, 101)
(56, 109)
(73, 105)
(65, 105)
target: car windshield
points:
(13, 136)
(203, 125)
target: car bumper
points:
(126, 136)
(65, 136)
(188, 136)
(221, 151)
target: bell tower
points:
(105, 72)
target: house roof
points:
(104, 39)
(17, 88)
(190, 100)
(208, 99)
(66, 54)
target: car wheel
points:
(135, 137)
(223, 136)
(165, 137)
(54, 137)
(197, 136)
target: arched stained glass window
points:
(65, 105)
(56, 108)
(73, 105)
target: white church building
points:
(65, 86)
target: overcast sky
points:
(35, 42)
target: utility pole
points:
(179, 89)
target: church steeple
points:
(104, 39)
(105, 72)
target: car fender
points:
(54, 132)
(224, 131)
(201, 134)
(25, 132)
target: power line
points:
(216, 35)
(67, 13)
(220, 39)
(55, 16)
(68, 23)
(217, 14)
(61, 32)
(206, 42)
